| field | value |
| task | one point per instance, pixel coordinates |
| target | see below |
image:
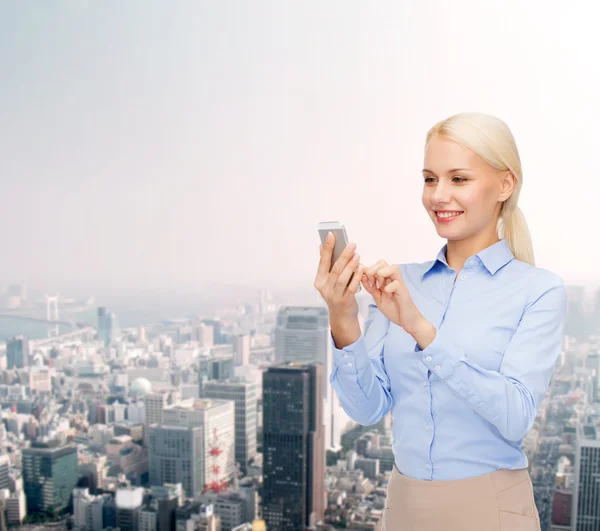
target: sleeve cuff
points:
(350, 358)
(442, 355)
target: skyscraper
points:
(4, 472)
(244, 396)
(154, 403)
(293, 446)
(169, 496)
(49, 475)
(302, 334)
(218, 365)
(216, 324)
(217, 419)
(107, 325)
(585, 515)
(176, 455)
(17, 353)
(242, 350)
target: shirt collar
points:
(493, 257)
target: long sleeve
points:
(358, 373)
(509, 397)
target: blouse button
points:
(437, 367)
(345, 355)
(428, 358)
(349, 364)
(462, 277)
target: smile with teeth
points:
(448, 214)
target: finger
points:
(372, 270)
(375, 267)
(387, 274)
(343, 279)
(326, 252)
(353, 286)
(372, 290)
(343, 260)
(392, 287)
(388, 271)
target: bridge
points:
(88, 332)
(51, 319)
(73, 324)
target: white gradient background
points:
(169, 145)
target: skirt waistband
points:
(501, 479)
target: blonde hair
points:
(491, 139)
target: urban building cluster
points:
(227, 422)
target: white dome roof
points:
(140, 386)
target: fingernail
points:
(356, 257)
(329, 236)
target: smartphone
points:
(341, 240)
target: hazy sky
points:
(169, 144)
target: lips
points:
(447, 219)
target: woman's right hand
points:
(333, 285)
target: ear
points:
(507, 186)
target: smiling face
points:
(456, 179)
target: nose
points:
(440, 196)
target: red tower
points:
(216, 484)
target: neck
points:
(459, 250)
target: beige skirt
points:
(498, 501)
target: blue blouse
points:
(462, 406)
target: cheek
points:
(426, 197)
(470, 200)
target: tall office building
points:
(216, 325)
(176, 455)
(4, 472)
(169, 496)
(154, 403)
(49, 475)
(203, 333)
(302, 334)
(242, 350)
(148, 517)
(218, 365)
(17, 353)
(585, 510)
(244, 396)
(129, 503)
(87, 510)
(107, 326)
(293, 455)
(16, 507)
(217, 419)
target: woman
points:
(459, 349)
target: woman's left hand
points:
(392, 296)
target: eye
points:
(461, 179)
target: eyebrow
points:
(425, 170)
